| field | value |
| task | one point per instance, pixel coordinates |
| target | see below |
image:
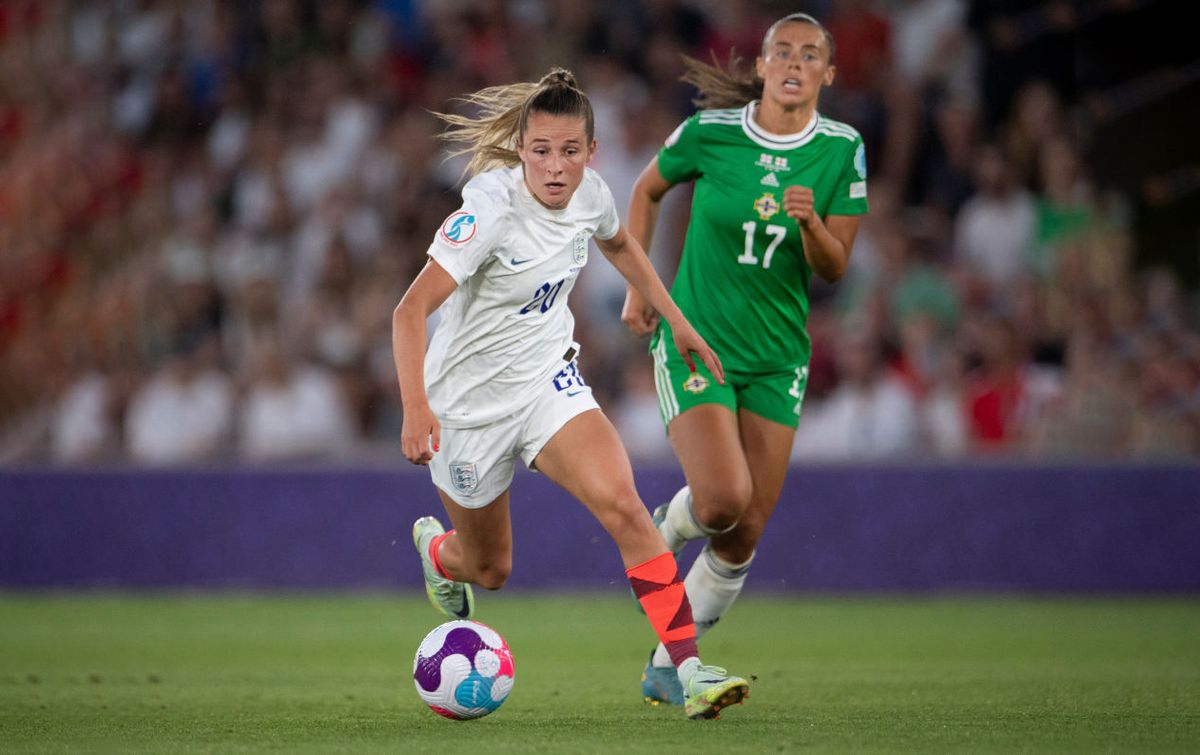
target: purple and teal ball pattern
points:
(463, 670)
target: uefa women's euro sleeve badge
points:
(459, 228)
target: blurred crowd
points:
(209, 209)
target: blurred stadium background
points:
(209, 209)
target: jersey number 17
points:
(777, 234)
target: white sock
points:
(687, 669)
(680, 524)
(712, 585)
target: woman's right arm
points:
(421, 434)
(647, 197)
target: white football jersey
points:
(506, 328)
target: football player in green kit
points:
(778, 192)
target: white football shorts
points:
(475, 464)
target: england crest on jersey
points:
(463, 477)
(579, 248)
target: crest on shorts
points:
(766, 205)
(579, 248)
(695, 384)
(463, 477)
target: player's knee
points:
(624, 510)
(722, 506)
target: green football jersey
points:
(743, 279)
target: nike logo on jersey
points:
(515, 261)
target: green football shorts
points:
(777, 396)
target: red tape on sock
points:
(435, 545)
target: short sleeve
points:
(850, 194)
(610, 221)
(469, 236)
(679, 158)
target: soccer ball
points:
(463, 670)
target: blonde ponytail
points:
(491, 137)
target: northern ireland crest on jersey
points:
(463, 477)
(766, 205)
(579, 246)
(695, 384)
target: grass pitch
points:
(331, 673)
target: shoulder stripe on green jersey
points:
(840, 128)
(835, 126)
(668, 404)
(735, 112)
(834, 132)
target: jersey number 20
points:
(543, 298)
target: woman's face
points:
(554, 150)
(795, 65)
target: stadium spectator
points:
(1065, 206)
(995, 229)
(1007, 394)
(82, 428)
(184, 413)
(1036, 119)
(292, 411)
(932, 55)
(948, 167)
(870, 415)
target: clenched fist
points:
(798, 204)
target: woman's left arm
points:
(827, 242)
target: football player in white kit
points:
(500, 378)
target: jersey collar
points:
(764, 138)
